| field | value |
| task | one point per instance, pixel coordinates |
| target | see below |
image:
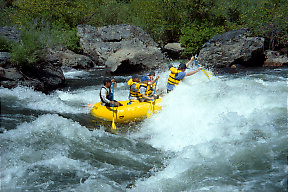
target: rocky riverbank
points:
(238, 48)
(128, 49)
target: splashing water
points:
(226, 134)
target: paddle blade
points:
(149, 111)
(206, 73)
(113, 125)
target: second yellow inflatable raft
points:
(129, 112)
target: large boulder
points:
(234, 47)
(44, 77)
(121, 48)
(68, 59)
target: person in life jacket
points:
(145, 89)
(151, 77)
(134, 93)
(106, 94)
(178, 74)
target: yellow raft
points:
(129, 112)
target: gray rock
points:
(174, 50)
(275, 59)
(11, 33)
(137, 50)
(46, 77)
(234, 47)
(68, 58)
(4, 56)
(10, 74)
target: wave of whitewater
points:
(226, 134)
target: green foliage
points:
(160, 18)
(5, 14)
(191, 22)
(63, 11)
(194, 36)
(5, 44)
(38, 36)
(268, 19)
(28, 51)
(110, 12)
(166, 20)
(72, 13)
(59, 35)
(149, 16)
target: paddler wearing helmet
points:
(134, 93)
(145, 89)
(178, 74)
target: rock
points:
(11, 33)
(4, 56)
(174, 50)
(68, 59)
(43, 77)
(234, 47)
(137, 50)
(10, 74)
(129, 59)
(284, 51)
(275, 59)
(235, 68)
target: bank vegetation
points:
(48, 23)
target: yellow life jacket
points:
(171, 78)
(148, 91)
(134, 93)
(153, 86)
(130, 81)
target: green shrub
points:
(29, 50)
(194, 36)
(5, 44)
(63, 35)
(268, 19)
(67, 12)
(5, 14)
(191, 22)
(38, 36)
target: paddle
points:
(152, 103)
(202, 69)
(113, 121)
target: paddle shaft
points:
(155, 89)
(152, 103)
(113, 123)
(113, 99)
(196, 63)
(202, 69)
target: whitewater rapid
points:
(227, 134)
(224, 134)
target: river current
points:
(225, 134)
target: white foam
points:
(75, 74)
(59, 102)
(215, 127)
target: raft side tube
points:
(129, 112)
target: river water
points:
(224, 134)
